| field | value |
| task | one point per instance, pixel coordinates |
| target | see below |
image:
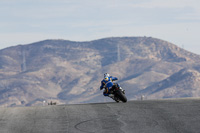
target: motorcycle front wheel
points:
(121, 96)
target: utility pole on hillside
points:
(118, 53)
(23, 65)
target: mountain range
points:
(70, 72)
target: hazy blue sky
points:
(27, 21)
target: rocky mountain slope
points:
(70, 72)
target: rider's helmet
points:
(106, 75)
(106, 78)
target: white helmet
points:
(106, 75)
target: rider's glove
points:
(102, 87)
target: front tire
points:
(121, 96)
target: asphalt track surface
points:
(153, 116)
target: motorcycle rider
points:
(107, 84)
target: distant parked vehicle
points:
(51, 103)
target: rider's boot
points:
(111, 95)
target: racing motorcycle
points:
(118, 92)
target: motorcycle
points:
(118, 92)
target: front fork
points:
(119, 87)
